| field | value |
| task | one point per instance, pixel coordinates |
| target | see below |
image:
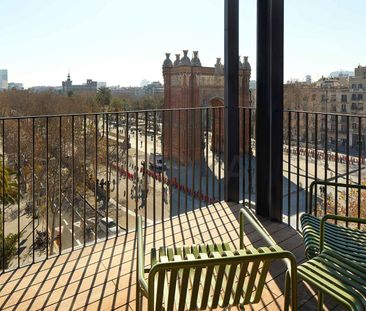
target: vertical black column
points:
(231, 117)
(263, 114)
(276, 54)
(269, 126)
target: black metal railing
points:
(319, 208)
(316, 147)
(247, 151)
(73, 180)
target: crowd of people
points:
(321, 155)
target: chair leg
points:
(287, 291)
(138, 299)
(320, 300)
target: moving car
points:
(110, 225)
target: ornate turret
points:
(185, 61)
(240, 63)
(167, 61)
(219, 68)
(195, 60)
(67, 85)
(246, 64)
(177, 59)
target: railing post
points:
(231, 117)
(276, 183)
(263, 109)
(269, 123)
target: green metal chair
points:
(342, 279)
(211, 276)
(350, 242)
(337, 265)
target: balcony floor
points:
(102, 276)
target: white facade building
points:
(3, 79)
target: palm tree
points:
(8, 185)
(104, 96)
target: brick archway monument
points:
(188, 84)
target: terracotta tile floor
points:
(102, 276)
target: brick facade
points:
(187, 84)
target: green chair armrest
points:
(335, 217)
(331, 184)
(141, 259)
(246, 214)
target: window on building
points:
(343, 109)
(344, 98)
(354, 106)
(354, 96)
(360, 96)
(353, 86)
(360, 86)
(313, 97)
(323, 98)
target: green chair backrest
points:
(211, 275)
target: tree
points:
(8, 185)
(356, 202)
(8, 193)
(104, 96)
(9, 248)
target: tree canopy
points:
(104, 96)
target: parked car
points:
(110, 225)
(159, 165)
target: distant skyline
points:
(124, 42)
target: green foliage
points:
(8, 249)
(23, 103)
(122, 102)
(117, 104)
(104, 96)
(8, 185)
(8, 195)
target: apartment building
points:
(341, 98)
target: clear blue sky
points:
(123, 42)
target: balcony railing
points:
(82, 178)
(75, 180)
(316, 152)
